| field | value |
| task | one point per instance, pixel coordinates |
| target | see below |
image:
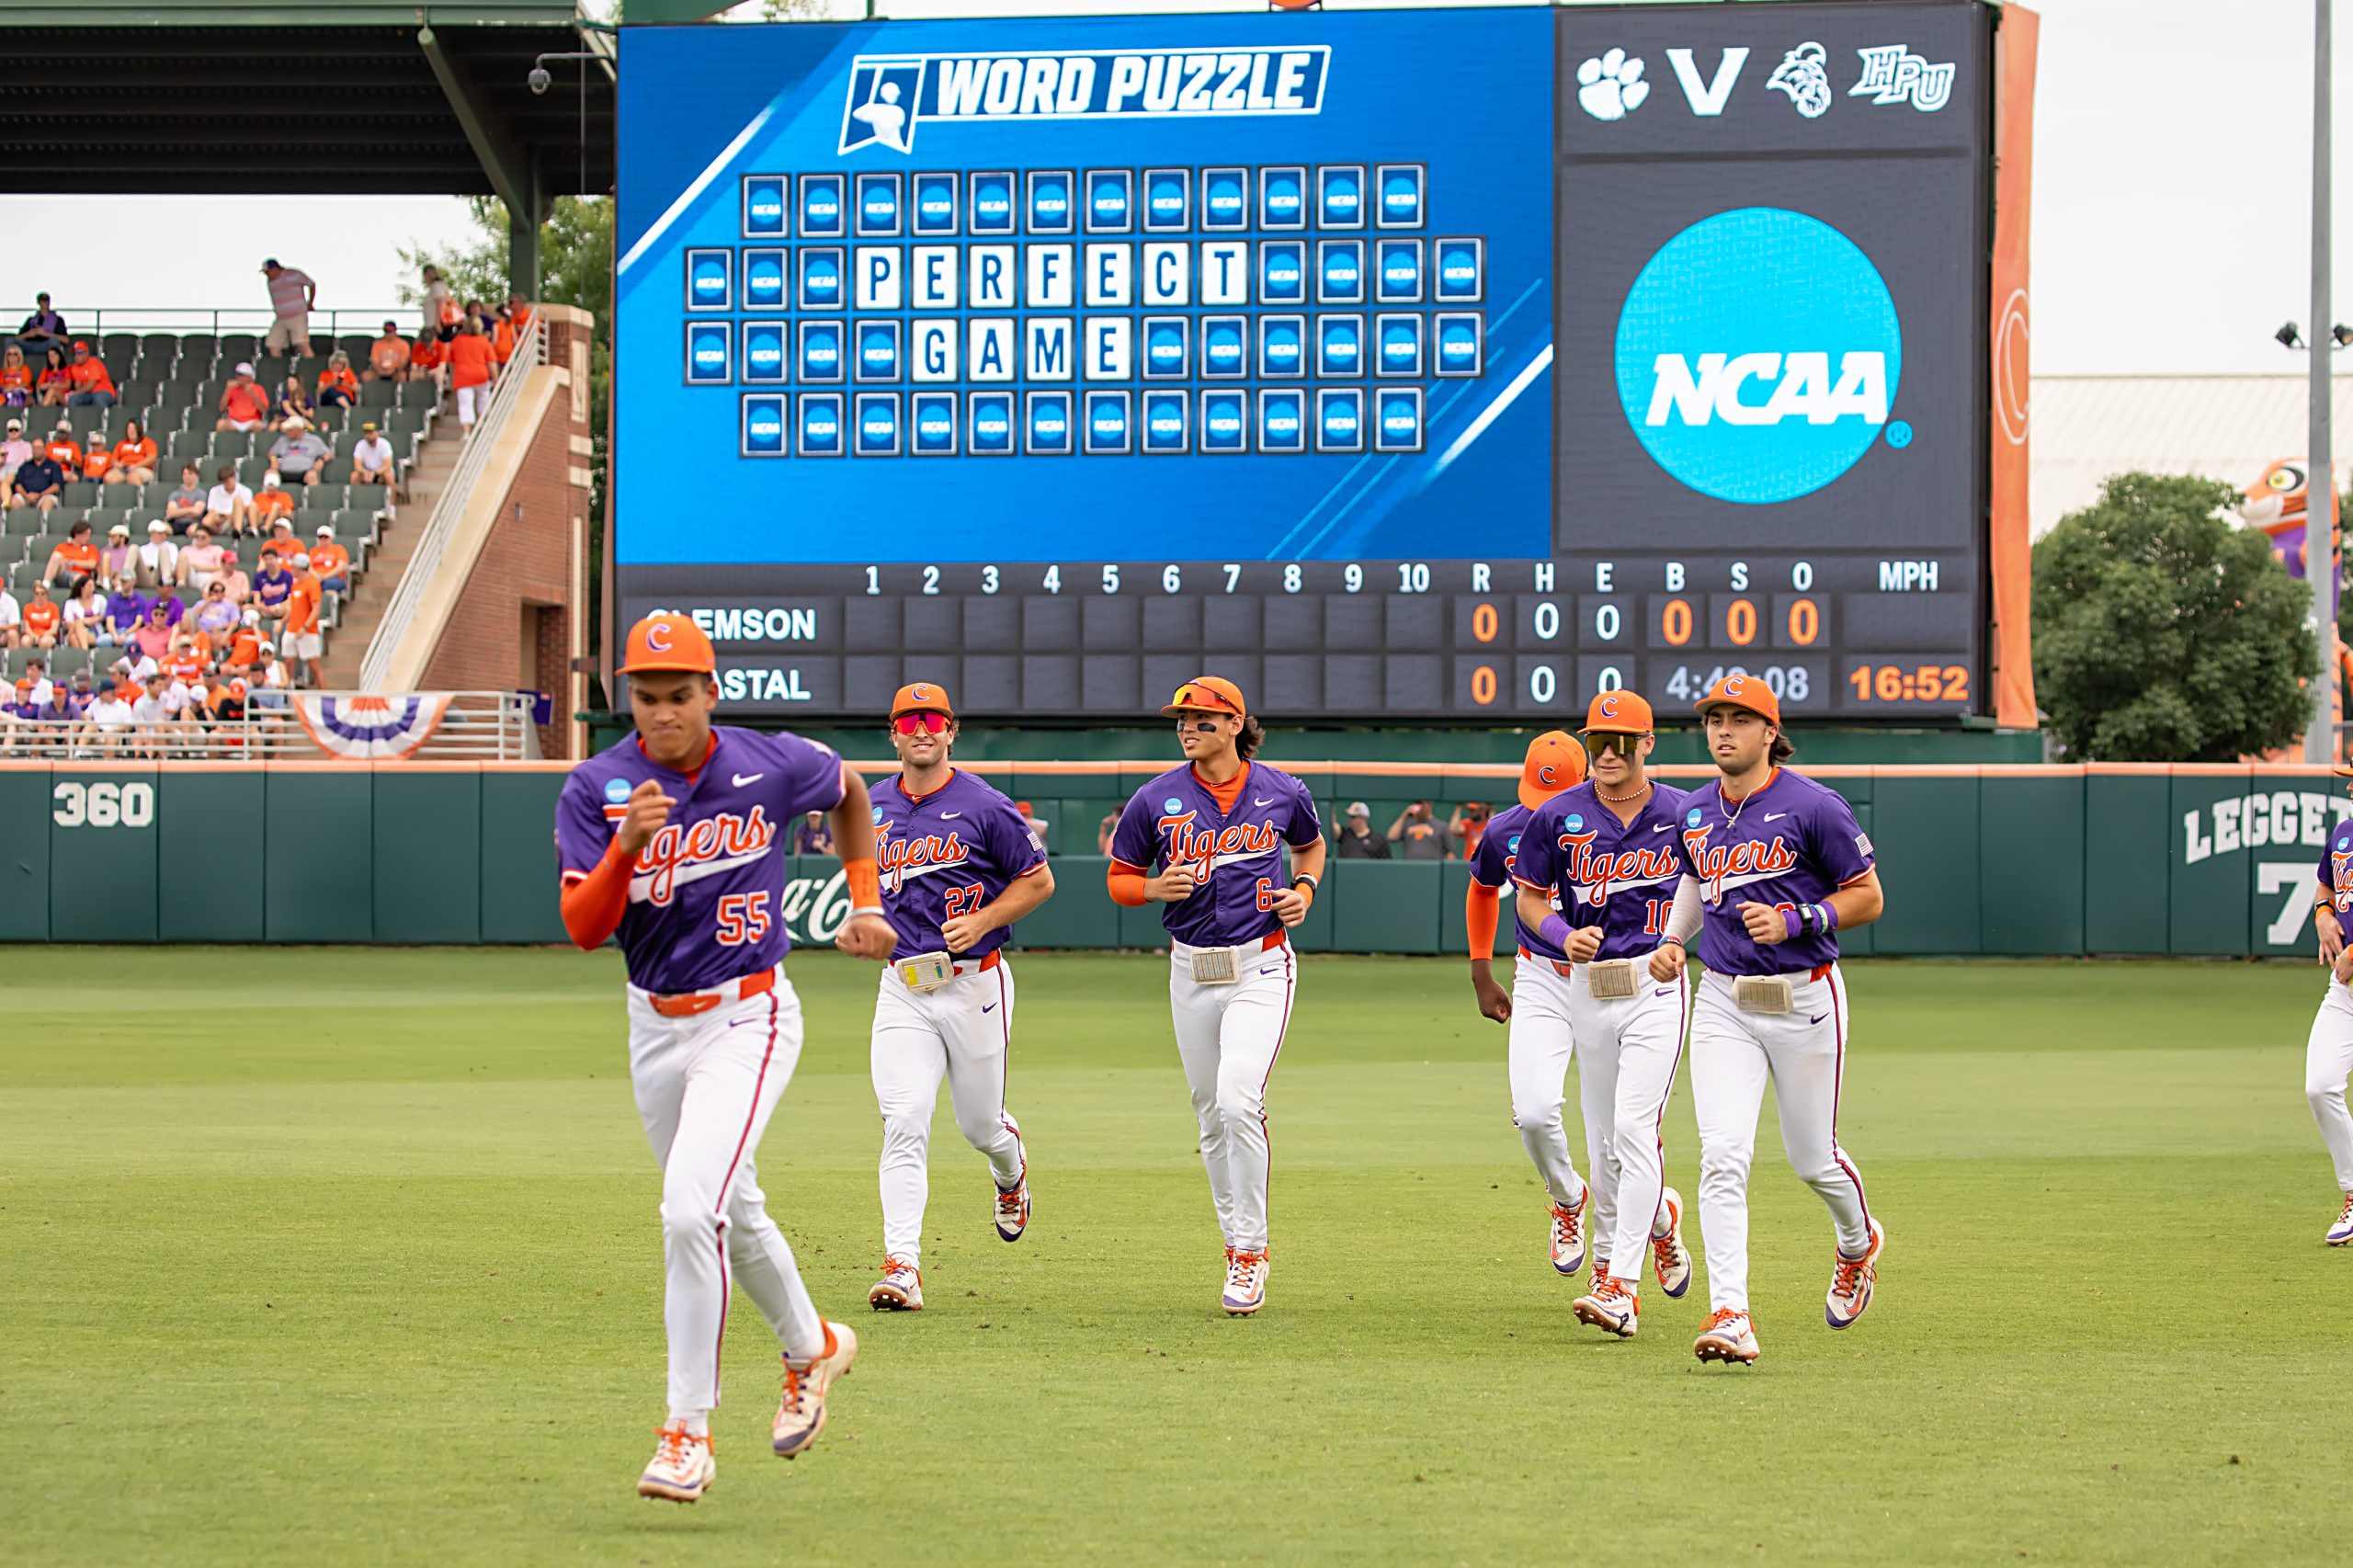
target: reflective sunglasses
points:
(1612, 740)
(921, 724)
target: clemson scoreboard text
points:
(1415, 365)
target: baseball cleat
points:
(1851, 1281)
(801, 1416)
(1013, 1209)
(1668, 1255)
(900, 1290)
(1729, 1336)
(1568, 1235)
(682, 1470)
(1246, 1282)
(1612, 1306)
(2342, 1232)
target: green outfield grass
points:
(340, 1257)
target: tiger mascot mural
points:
(2274, 503)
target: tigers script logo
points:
(1713, 866)
(1242, 841)
(698, 850)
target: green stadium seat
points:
(418, 395)
(237, 345)
(66, 661)
(80, 495)
(379, 395)
(117, 347)
(171, 346)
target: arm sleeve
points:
(1683, 916)
(1125, 884)
(593, 905)
(1482, 912)
(1841, 846)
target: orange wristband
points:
(865, 884)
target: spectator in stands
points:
(228, 505)
(110, 721)
(388, 356)
(167, 600)
(273, 585)
(1103, 832)
(338, 388)
(1357, 841)
(185, 507)
(233, 578)
(32, 686)
(14, 451)
(199, 560)
(40, 482)
(245, 403)
(1416, 836)
(1039, 825)
(117, 556)
(294, 403)
(813, 835)
(44, 619)
(126, 609)
(153, 717)
(440, 306)
(64, 450)
(330, 564)
(135, 456)
(503, 334)
(92, 387)
(429, 362)
(298, 454)
(272, 507)
(371, 457)
(269, 687)
(216, 614)
(74, 559)
(470, 372)
(299, 642)
(97, 459)
(159, 558)
(292, 297)
(57, 718)
(242, 655)
(16, 377)
(184, 663)
(43, 327)
(56, 383)
(12, 618)
(85, 614)
(131, 670)
(154, 639)
(1466, 826)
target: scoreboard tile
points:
(991, 621)
(872, 625)
(1111, 625)
(1413, 682)
(1351, 681)
(1354, 623)
(1172, 624)
(1050, 682)
(869, 679)
(1231, 620)
(1905, 623)
(991, 683)
(1112, 683)
(1049, 621)
(1292, 624)
(1294, 684)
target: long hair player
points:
(672, 839)
(959, 865)
(1207, 840)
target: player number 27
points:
(962, 901)
(743, 918)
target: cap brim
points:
(2341, 771)
(1616, 728)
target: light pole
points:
(2320, 471)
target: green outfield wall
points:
(2012, 861)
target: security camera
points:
(540, 79)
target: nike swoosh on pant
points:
(991, 1008)
(1817, 1017)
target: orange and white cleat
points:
(1246, 1282)
(1668, 1255)
(1729, 1336)
(683, 1468)
(801, 1416)
(1568, 1235)
(1613, 1306)
(1013, 1209)
(900, 1290)
(1851, 1281)
(2342, 1232)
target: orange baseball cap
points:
(1555, 762)
(1743, 691)
(922, 696)
(1208, 694)
(668, 642)
(1618, 713)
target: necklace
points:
(1733, 816)
(1621, 800)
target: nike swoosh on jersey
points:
(744, 778)
(1664, 827)
(945, 816)
(1262, 803)
(1773, 816)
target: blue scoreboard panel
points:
(1421, 365)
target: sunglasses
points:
(1610, 740)
(921, 724)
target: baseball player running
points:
(1215, 828)
(2328, 1053)
(1601, 882)
(674, 839)
(1781, 867)
(959, 865)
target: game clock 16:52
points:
(1877, 683)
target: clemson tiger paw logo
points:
(1610, 86)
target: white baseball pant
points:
(706, 1085)
(1542, 1039)
(2328, 1059)
(1805, 1052)
(1228, 1037)
(963, 1031)
(1628, 1049)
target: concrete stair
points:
(347, 642)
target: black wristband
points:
(1308, 879)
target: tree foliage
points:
(2165, 633)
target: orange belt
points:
(687, 1003)
(1569, 970)
(982, 967)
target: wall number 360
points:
(103, 805)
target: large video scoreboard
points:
(1434, 365)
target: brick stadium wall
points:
(533, 557)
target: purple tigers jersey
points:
(947, 853)
(1237, 859)
(1793, 842)
(1494, 865)
(2337, 869)
(706, 898)
(1600, 871)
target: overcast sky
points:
(2173, 179)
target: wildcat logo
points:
(699, 849)
(898, 859)
(1751, 861)
(890, 96)
(1593, 875)
(1204, 846)
(1801, 75)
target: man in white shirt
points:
(229, 504)
(12, 620)
(159, 558)
(372, 460)
(153, 717)
(109, 720)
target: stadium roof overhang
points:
(330, 97)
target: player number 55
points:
(743, 918)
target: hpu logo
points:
(1768, 297)
(1892, 74)
(889, 96)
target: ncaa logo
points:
(617, 790)
(1164, 349)
(1107, 201)
(1339, 421)
(992, 422)
(1343, 199)
(1172, 804)
(1458, 346)
(878, 424)
(1513, 847)
(993, 203)
(764, 353)
(707, 280)
(1458, 270)
(935, 423)
(1164, 422)
(1285, 206)
(821, 278)
(1224, 200)
(1691, 818)
(1281, 351)
(764, 279)
(1285, 281)
(1401, 346)
(1400, 426)
(1222, 425)
(935, 204)
(1342, 347)
(821, 204)
(1573, 822)
(764, 427)
(1758, 354)
(878, 204)
(1283, 425)
(764, 206)
(1050, 202)
(877, 350)
(1401, 197)
(821, 425)
(1165, 200)
(707, 354)
(1221, 352)
(821, 352)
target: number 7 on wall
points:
(2296, 878)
